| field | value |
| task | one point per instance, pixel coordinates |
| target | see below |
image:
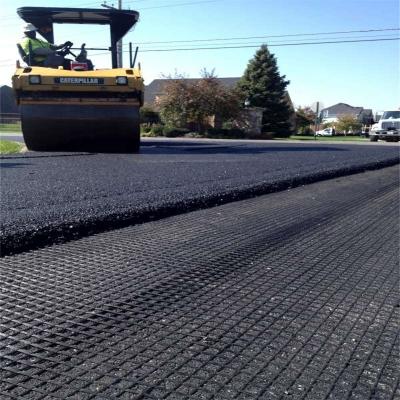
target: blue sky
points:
(360, 74)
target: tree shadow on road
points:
(13, 165)
(237, 148)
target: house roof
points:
(341, 109)
(156, 87)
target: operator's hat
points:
(29, 28)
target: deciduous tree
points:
(175, 102)
(185, 101)
(305, 116)
(348, 124)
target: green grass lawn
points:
(330, 138)
(8, 147)
(10, 127)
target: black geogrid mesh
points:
(291, 295)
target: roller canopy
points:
(120, 21)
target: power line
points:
(271, 45)
(269, 42)
(257, 45)
(245, 46)
(250, 46)
(273, 36)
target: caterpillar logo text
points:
(79, 81)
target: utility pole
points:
(316, 121)
(119, 43)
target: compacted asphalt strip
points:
(53, 197)
(291, 295)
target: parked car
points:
(326, 132)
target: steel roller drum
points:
(93, 128)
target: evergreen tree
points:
(264, 87)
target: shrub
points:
(157, 130)
(221, 133)
(194, 135)
(280, 133)
(267, 135)
(230, 124)
(305, 131)
(145, 130)
(149, 116)
(169, 131)
(237, 133)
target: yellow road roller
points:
(77, 107)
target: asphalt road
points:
(292, 295)
(49, 197)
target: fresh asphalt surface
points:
(291, 295)
(47, 197)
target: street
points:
(290, 295)
(199, 201)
